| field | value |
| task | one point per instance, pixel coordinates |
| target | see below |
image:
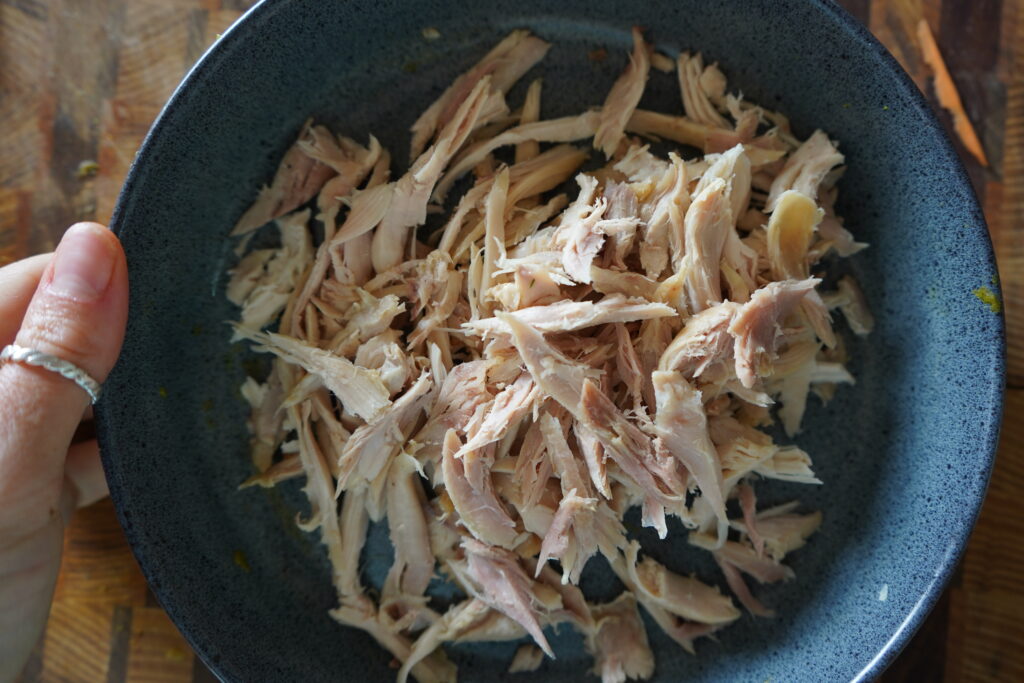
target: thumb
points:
(77, 313)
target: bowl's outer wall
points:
(904, 454)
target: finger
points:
(17, 283)
(78, 313)
(83, 471)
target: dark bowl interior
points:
(905, 454)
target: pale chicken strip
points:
(530, 114)
(354, 522)
(533, 468)
(408, 206)
(733, 167)
(682, 631)
(362, 614)
(579, 235)
(582, 525)
(622, 204)
(565, 316)
(494, 236)
(632, 451)
(633, 285)
(702, 343)
(665, 232)
(623, 97)
(247, 274)
(567, 129)
(438, 297)
(496, 577)
(265, 417)
(539, 174)
(527, 658)
(289, 467)
(369, 451)
(681, 595)
(557, 376)
(787, 464)
(353, 165)
(272, 286)
(505, 412)
(628, 366)
(297, 180)
(790, 233)
(618, 641)
(708, 222)
(464, 390)
(805, 169)
(756, 326)
(367, 208)
(506, 63)
(681, 423)
(784, 533)
(383, 354)
(739, 588)
(458, 619)
(323, 510)
(676, 128)
(479, 510)
(698, 107)
(746, 559)
(365, 319)
(854, 306)
(352, 258)
(593, 454)
(359, 389)
(407, 522)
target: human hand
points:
(72, 304)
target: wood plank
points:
(152, 58)
(993, 562)
(157, 652)
(15, 224)
(24, 61)
(76, 646)
(1006, 223)
(98, 565)
(987, 630)
(82, 76)
(990, 624)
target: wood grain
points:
(83, 80)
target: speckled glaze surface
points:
(905, 454)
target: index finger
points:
(18, 282)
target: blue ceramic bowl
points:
(905, 454)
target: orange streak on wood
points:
(947, 93)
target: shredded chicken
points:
(500, 393)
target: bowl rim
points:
(209, 60)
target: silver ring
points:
(13, 353)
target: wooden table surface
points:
(81, 80)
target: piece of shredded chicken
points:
(498, 394)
